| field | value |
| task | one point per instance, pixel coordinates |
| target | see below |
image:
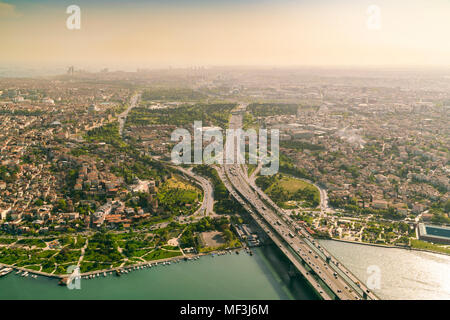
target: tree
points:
(447, 206)
(61, 205)
(228, 235)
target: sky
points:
(183, 33)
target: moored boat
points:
(5, 271)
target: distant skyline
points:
(132, 34)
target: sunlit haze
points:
(191, 33)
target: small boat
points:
(5, 271)
(104, 274)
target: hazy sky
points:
(225, 32)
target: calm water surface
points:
(405, 274)
(261, 276)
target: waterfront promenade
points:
(130, 267)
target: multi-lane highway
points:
(309, 276)
(330, 279)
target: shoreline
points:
(385, 246)
(358, 242)
(182, 258)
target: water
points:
(261, 276)
(405, 274)
(438, 231)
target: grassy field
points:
(32, 242)
(176, 182)
(251, 168)
(288, 192)
(108, 249)
(161, 254)
(7, 240)
(176, 193)
(418, 244)
(291, 185)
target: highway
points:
(207, 207)
(329, 280)
(123, 116)
(279, 242)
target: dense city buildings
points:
(86, 176)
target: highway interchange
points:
(330, 279)
(207, 207)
